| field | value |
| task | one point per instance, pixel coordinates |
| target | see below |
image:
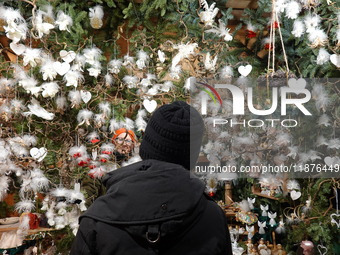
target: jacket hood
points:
(148, 193)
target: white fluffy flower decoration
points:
(293, 8)
(142, 59)
(312, 21)
(50, 89)
(31, 56)
(92, 55)
(64, 21)
(73, 77)
(75, 98)
(96, 15)
(166, 86)
(48, 70)
(84, 116)
(298, 28)
(78, 63)
(29, 140)
(115, 66)
(318, 38)
(131, 81)
(78, 151)
(4, 180)
(227, 72)
(105, 108)
(280, 6)
(95, 70)
(323, 57)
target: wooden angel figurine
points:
(254, 251)
(280, 250)
(263, 249)
(249, 245)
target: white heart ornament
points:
(295, 194)
(334, 220)
(85, 95)
(17, 48)
(38, 154)
(61, 68)
(67, 56)
(324, 252)
(245, 70)
(331, 161)
(335, 59)
(297, 84)
(150, 106)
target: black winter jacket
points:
(153, 207)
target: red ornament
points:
(92, 166)
(250, 34)
(103, 160)
(107, 152)
(211, 194)
(268, 46)
(77, 155)
(276, 25)
(95, 140)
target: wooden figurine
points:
(263, 249)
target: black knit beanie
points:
(174, 134)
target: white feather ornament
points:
(105, 108)
(96, 69)
(78, 63)
(48, 70)
(334, 144)
(16, 28)
(50, 89)
(24, 226)
(96, 172)
(43, 28)
(108, 80)
(321, 140)
(17, 105)
(293, 151)
(175, 71)
(24, 205)
(100, 119)
(75, 98)
(73, 78)
(6, 84)
(323, 57)
(208, 15)
(92, 55)
(210, 64)
(324, 120)
(49, 13)
(114, 125)
(167, 86)
(221, 31)
(227, 72)
(28, 83)
(19, 73)
(131, 81)
(96, 15)
(82, 208)
(37, 110)
(321, 97)
(78, 151)
(115, 66)
(59, 222)
(61, 102)
(50, 216)
(318, 38)
(142, 59)
(75, 194)
(107, 148)
(61, 207)
(84, 116)
(4, 184)
(161, 56)
(128, 60)
(184, 51)
(31, 56)
(63, 21)
(6, 112)
(148, 80)
(93, 137)
(140, 123)
(60, 192)
(11, 14)
(293, 185)
(128, 123)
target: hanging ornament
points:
(38, 154)
(264, 210)
(245, 70)
(85, 95)
(64, 21)
(150, 106)
(272, 217)
(261, 225)
(208, 15)
(96, 15)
